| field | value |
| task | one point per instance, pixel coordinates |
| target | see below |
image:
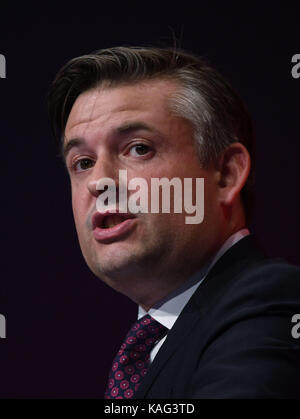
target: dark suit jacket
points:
(233, 339)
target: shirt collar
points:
(168, 309)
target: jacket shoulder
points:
(272, 279)
(249, 350)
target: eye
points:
(82, 165)
(139, 150)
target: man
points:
(215, 315)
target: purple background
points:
(63, 324)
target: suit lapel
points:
(241, 254)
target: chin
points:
(113, 260)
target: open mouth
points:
(109, 219)
(112, 220)
(111, 226)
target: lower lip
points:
(107, 235)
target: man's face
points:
(132, 128)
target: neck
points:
(180, 286)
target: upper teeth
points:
(112, 220)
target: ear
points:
(233, 170)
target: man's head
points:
(154, 113)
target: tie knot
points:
(145, 332)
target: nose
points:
(103, 168)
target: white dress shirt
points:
(168, 309)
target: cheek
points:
(78, 209)
(75, 203)
(211, 207)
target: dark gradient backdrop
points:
(63, 325)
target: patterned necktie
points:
(132, 361)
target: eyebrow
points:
(123, 130)
(129, 127)
(75, 142)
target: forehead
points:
(149, 100)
